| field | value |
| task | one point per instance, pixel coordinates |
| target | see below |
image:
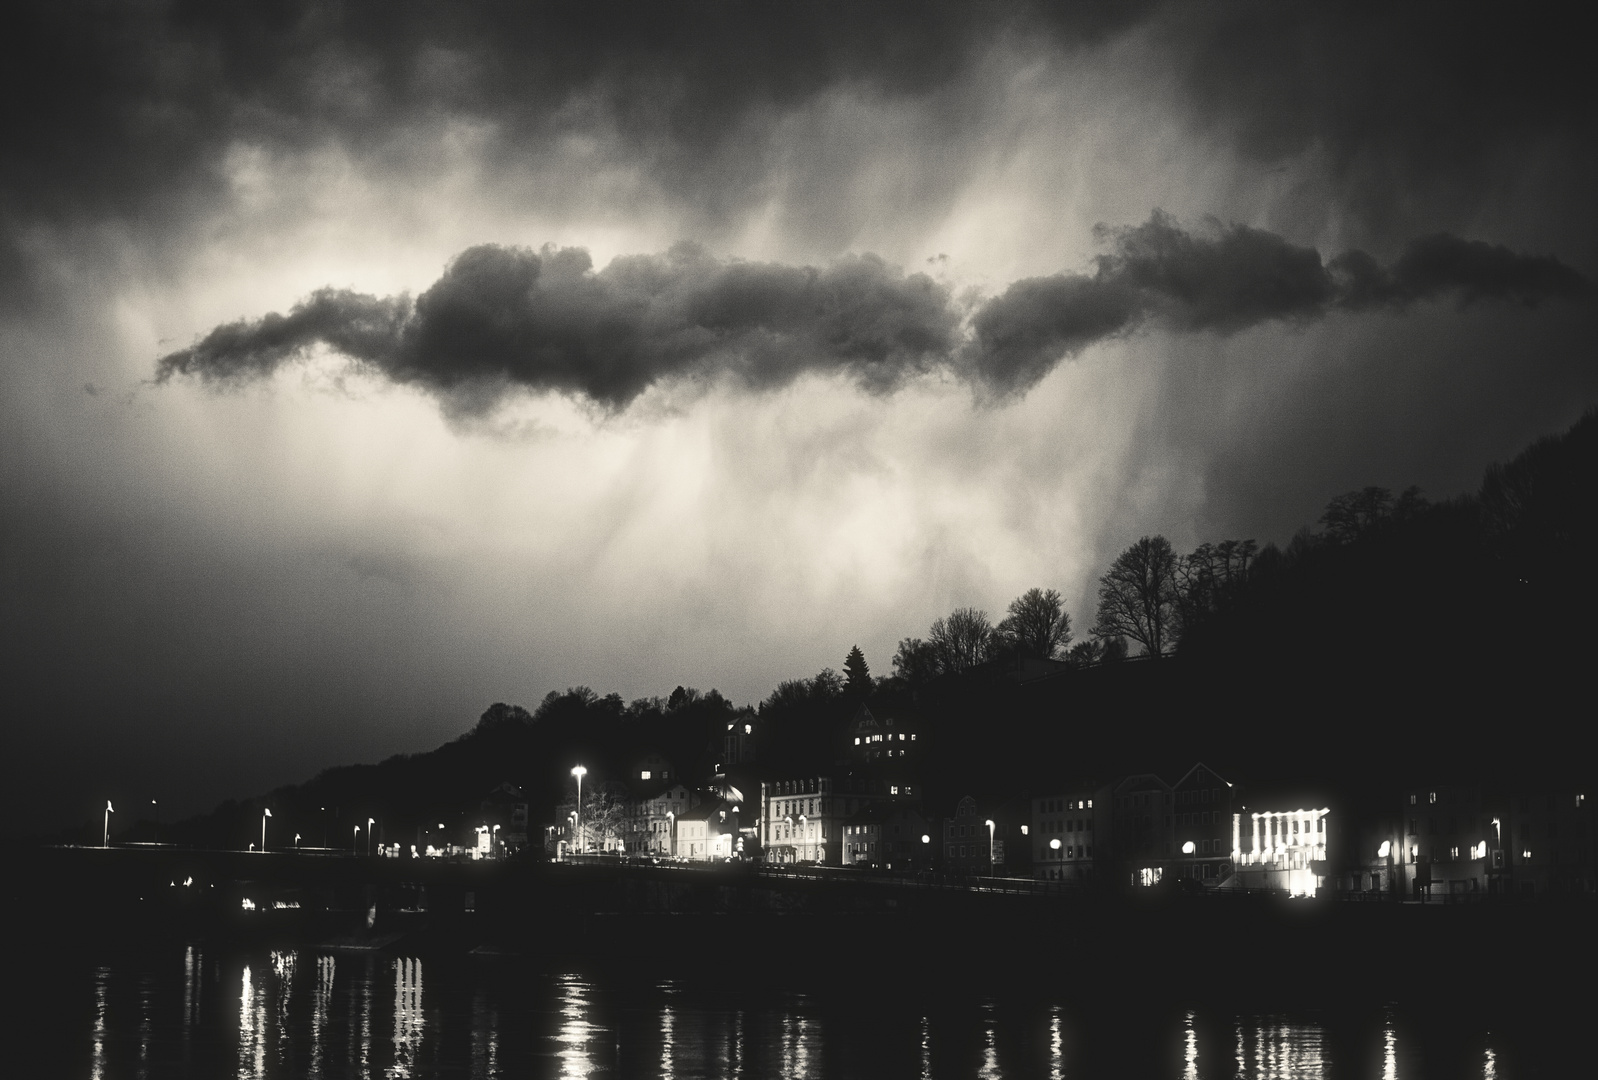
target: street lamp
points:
(156, 811)
(671, 834)
(1386, 852)
(106, 840)
(296, 841)
(991, 860)
(265, 813)
(804, 833)
(579, 772)
(369, 823)
(1188, 849)
(355, 839)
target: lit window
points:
(1432, 797)
(644, 775)
(857, 740)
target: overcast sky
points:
(360, 367)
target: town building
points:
(888, 835)
(1143, 828)
(1281, 849)
(1069, 833)
(1202, 832)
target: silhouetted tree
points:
(962, 640)
(857, 675)
(1138, 597)
(1037, 625)
(1210, 578)
(916, 662)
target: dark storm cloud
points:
(117, 108)
(501, 317)
(1228, 279)
(1419, 110)
(545, 320)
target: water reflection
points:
(252, 1027)
(318, 1018)
(1056, 1046)
(407, 1015)
(577, 1032)
(668, 1046)
(102, 976)
(321, 1001)
(990, 1046)
(1389, 1051)
(485, 1037)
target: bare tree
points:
(604, 817)
(963, 640)
(1037, 625)
(1138, 597)
(1210, 577)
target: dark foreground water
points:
(220, 1011)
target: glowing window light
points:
(247, 904)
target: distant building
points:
(969, 844)
(888, 835)
(504, 821)
(801, 821)
(1549, 842)
(1066, 831)
(1143, 827)
(1282, 849)
(1202, 803)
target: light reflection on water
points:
(299, 1013)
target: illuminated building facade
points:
(1281, 850)
(801, 821)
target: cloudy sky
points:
(361, 366)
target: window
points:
(1432, 797)
(1453, 852)
(1412, 800)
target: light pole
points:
(804, 835)
(493, 840)
(265, 813)
(671, 834)
(106, 839)
(579, 772)
(156, 811)
(296, 841)
(369, 823)
(355, 840)
(1386, 852)
(991, 854)
(1188, 849)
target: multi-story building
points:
(1066, 830)
(891, 835)
(1143, 828)
(969, 840)
(1281, 849)
(1202, 833)
(1549, 842)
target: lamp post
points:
(296, 841)
(991, 862)
(369, 823)
(804, 836)
(105, 840)
(579, 772)
(266, 812)
(155, 811)
(493, 840)
(1188, 849)
(355, 840)
(671, 834)
(1386, 852)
